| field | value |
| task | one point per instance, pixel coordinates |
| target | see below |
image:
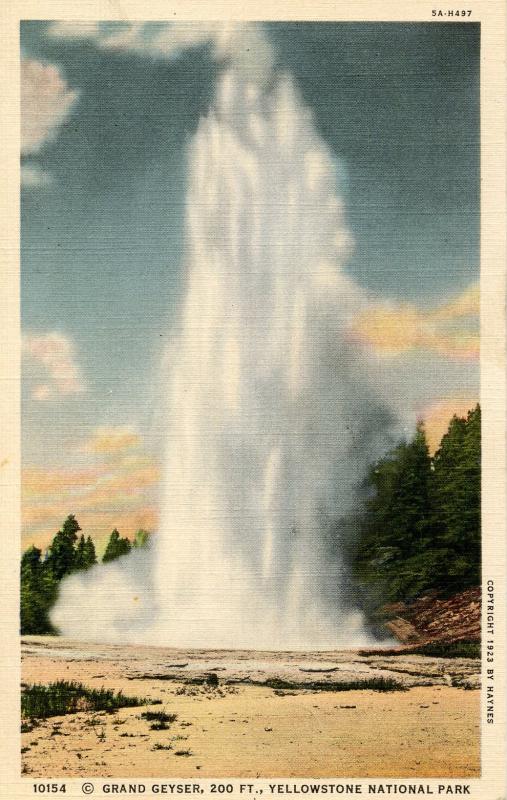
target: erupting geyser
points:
(272, 419)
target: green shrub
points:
(158, 716)
(377, 684)
(463, 649)
(69, 697)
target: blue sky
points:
(103, 201)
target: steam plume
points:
(272, 419)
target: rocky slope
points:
(435, 619)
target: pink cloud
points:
(54, 352)
(397, 328)
(112, 441)
(46, 101)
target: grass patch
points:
(279, 684)
(158, 716)
(63, 697)
(27, 727)
(158, 746)
(379, 684)
(463, 649)
(160, 721)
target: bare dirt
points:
(244, 727)
(437, 619)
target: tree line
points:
(67, 553)
(420, 526)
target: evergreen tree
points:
(90, 555)
(141, 538)
(61, 558)
(447, 482)
(397, 541)
(472, 479)
(457, 487)
(116, 547)
(398, 511)
(38, 593)
(420, 530)
(85, 556)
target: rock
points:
(319, 669)
(432, 618)
(403, 630)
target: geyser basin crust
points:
(247, 730)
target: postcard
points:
(253, 461)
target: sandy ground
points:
(245, 729)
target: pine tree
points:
(116, 547)
(399, 509)
(398, 528)
(457, 478)
(141, 538)
(420, 529)
(447, 465)
(38, 593)
(61, 558)
(472, 479)
(84, 555)
(89, 553)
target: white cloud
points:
(46, 101)
(53, 355)
(74, 29)
(169, 41)
(32, 176)
(244, 45)
(42, 392)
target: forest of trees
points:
(67, 553)
(419, 529)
